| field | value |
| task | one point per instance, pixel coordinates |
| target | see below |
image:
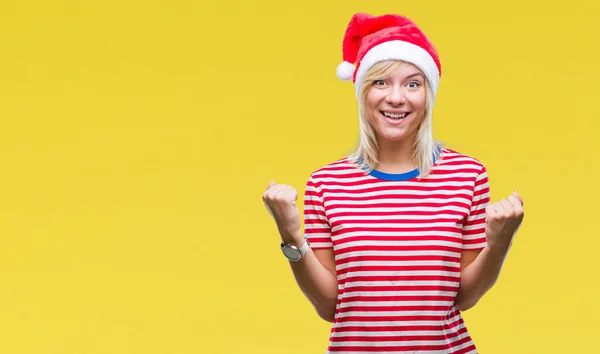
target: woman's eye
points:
(414, 84)
(379, 82)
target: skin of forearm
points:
(479, 276)
(317, 283)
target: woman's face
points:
(395, 105)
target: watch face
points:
(291, 254)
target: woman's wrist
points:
(294, 239)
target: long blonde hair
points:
(426, 148)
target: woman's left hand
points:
(502, 221)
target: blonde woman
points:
(399, 237)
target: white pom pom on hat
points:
(345, 71)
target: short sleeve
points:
(316, 226)
(474, 228)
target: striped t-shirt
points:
(397, 241)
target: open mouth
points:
(395, 116)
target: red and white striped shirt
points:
(397, 241)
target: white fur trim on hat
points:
(399, 50)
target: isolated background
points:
(137, 137)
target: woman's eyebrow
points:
(415, 74)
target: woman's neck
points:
(395, 157)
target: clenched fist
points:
(280, 200)
(503, 220)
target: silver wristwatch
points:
(294, 253)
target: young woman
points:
(400, 237)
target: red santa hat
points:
(372, 39)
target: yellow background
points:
(137, 137)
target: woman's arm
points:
(316, 277)
(480, 269)
(315, 272)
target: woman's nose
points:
(395, 96)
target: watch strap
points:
(304, 248)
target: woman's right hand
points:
(280, 200)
